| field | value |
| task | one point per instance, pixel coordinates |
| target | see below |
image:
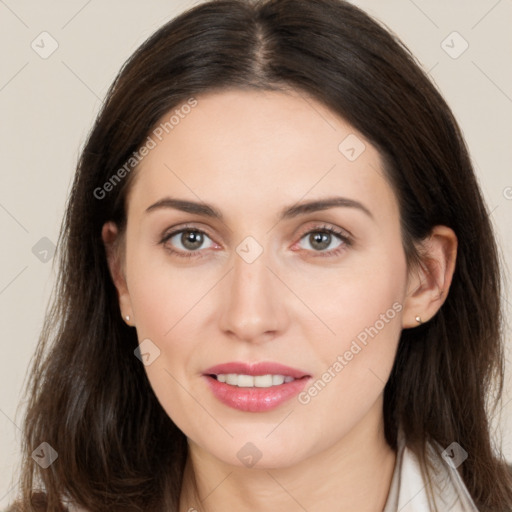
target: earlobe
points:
(114, 251)
(429, 283)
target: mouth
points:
(252, 381)
(255, 387)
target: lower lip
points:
(255, 399)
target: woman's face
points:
(256, 278)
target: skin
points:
(250, 154)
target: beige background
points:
(48, 106)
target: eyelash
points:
(346, 239)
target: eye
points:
(188, 241)
(321, 238)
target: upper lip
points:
(261, 368)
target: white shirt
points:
(408, 492)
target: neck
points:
(353, 474)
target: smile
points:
(250, 381)
(255, 387)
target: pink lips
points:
(255, 399)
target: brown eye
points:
(320, 240)
(191, 240)
(324, 240)
(185, 242)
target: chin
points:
(254, 451)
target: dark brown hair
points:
(89, 397)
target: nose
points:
(254, 306)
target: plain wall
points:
(47, 107)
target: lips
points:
(254, 387)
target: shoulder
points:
(450, 491)
(408, 491)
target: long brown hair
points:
(89, 397)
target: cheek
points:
(364, 311)
(360, 300)
(161, 292)
(167, 303)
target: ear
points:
(114, 248)
(429, 283)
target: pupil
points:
(322, 239)
(192, 239)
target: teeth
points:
(277, 380)
(250, 381)
(244, 381)
(232, 378)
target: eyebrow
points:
(290, 212)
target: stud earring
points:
(127, 317)
(418, 319)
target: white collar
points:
(408, 491)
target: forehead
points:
(248, 148)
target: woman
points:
(279, 287)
